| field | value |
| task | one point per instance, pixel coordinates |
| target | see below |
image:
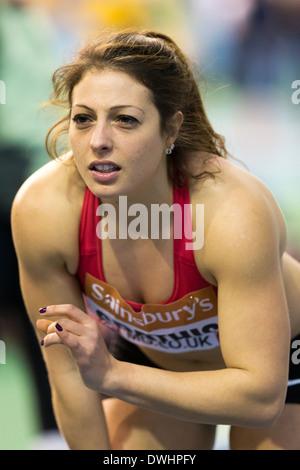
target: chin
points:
(107, 191)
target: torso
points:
(124, 261)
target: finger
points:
(69, 310)
(43, 325)
(64, 337)
(68, 325)
(50, 340)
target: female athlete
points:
(152, 337)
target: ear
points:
(173, 126)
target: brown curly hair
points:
(157, 62)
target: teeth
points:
(106, 168)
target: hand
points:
(82, 335)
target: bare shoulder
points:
(236, 193)
(46, 213)
(240, 212)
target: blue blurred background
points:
(249, 53)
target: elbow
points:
(265, 412)
(262, 399)
(270, 415)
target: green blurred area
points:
(19, 412)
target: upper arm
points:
(246, 241)
(44, 277)
(45, 233)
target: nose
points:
(101, 140)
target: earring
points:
(170, 149)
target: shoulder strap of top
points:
(182, 223)
(88, 223)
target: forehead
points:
(111, 88)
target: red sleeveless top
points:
(186, 321)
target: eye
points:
(81, 120)
(127, 121)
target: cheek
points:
(79, 149)
(151, 144)
(154, 151)
(75, 141)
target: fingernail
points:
(42, 342)
(58, 327)
(43, 310)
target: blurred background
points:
(249, 54)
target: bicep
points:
(253, 316)
(44, 278)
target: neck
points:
(152, 192)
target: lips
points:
(104, 172)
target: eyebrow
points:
(113, 108)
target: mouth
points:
(104, 167)
(105, 172)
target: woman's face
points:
(115, 134)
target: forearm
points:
(227, 396)
(79, 415)
(247, 394)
